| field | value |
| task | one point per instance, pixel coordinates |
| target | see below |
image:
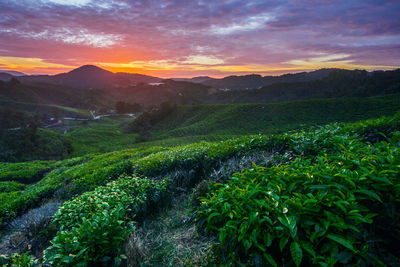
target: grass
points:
(168, 238)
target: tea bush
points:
(94, 225)
(71, 177)
(75, 176)
(315, 210)
(10, 186)
(25, 172)
(20, 260)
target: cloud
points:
(71, 36)
(250, 23)
(227, 35)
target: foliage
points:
(270, 118)
(33, 144)
(25, 172)
(94, 225)
(20, 260)
(70, 177)
(318, 149)
(147, 119)
(100, 136)
(75, 176)
(10, 186)
(315, 210)
(123, 107)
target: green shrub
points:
(94, 225)
(315, 210)
(26, 172)
(68, 178)
(20, 260)
(10, 186)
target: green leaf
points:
(296, 252)
(283, 242)
(369, 193)
(308, 247)
(342, 241)
(271, 260)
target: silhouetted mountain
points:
(11, 72)
(199, 79)
(5, 77)
(255, 81)
(338, 83)
(90, 76)
(252, 81)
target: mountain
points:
(89, 76)
(5, 77)
(338, 83)
(199, 79)
(255, 81)
(11, 72)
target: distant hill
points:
(5, 77)
(11, 72)
(43, 93)
(89, 76)
(337, 83)
(198, 79)
(179, 92)
(255, 81)
(91, 86)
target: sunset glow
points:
(191, 38)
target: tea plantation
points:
(323, 196)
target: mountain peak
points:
(89, 69)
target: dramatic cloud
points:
(186, 38)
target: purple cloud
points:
(252, 33)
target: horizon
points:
(175, 39)
(212, 77)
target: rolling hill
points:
(41, 93)
(255, 81)
(267, 118)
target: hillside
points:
(324, 83)
(255, 81)
(311, 195)
(179, 92)
(15, 91)
(338, 83)
(241, 119)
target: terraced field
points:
(299, 198)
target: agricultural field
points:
(267, 118)
(325, 195)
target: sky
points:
(187, 38)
